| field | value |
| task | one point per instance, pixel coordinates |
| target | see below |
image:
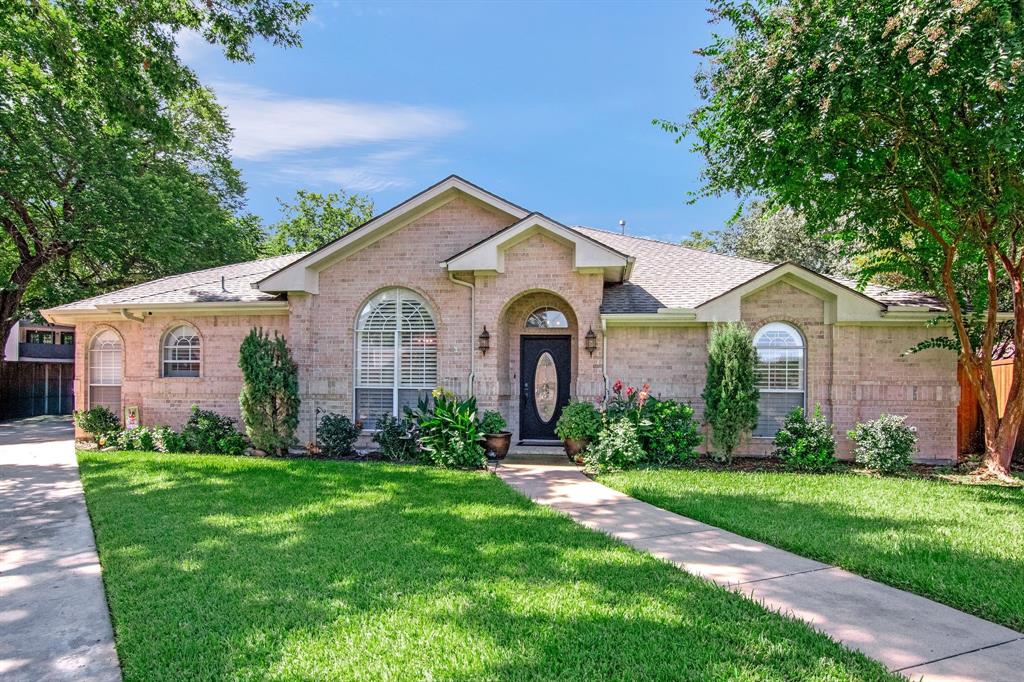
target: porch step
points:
(536, 454)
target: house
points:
(461, 288)
(38, 371)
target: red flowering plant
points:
(665, 429)
(628, 403)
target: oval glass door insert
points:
(545, 387)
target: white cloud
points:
(267, 124)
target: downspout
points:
(472, 328)
(604, 358)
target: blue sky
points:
(547, 104)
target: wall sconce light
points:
(485, 341)
(590, 341)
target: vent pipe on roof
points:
(622, 226)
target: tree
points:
(730, 393)
(779, 236)
(270, 391)
(701, 241)
(899, 126)
(114, 160)
(316, 219)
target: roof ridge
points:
(678, 246)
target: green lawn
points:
(959, 544)
(240, 568)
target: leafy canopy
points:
(315, 219)
(114, 159)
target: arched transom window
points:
(180, 352)
(781, 375)
(547, 318)
(106, 355)
(396, 355)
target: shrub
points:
(97, 421)
(206, 431)
(336, 434)
(270, 394)
(668, 432)
(730, 394)
(806, 444)
(617, 447)
(492, 422)
(886, 444)
(395, 437)
(139, 438)
(580, 420)
(449, 432)
(169, 440)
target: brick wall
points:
(167, 401)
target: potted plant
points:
(578, 427)
(496, 438)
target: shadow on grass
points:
(241, 568)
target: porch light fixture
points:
(590, 341)
(485, 341)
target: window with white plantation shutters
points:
(396, 355)
(781, 375)
(105, 367)
(180, 352)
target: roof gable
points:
(589, 254)
(303, 274)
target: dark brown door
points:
(544, 364)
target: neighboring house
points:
(460, 288)
(38, 370)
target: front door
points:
(544, 364)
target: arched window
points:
(547, 318)
(180, 352)
(396, 355)
(105, 367)
(781, 375)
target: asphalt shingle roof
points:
(667, 275)
(203, 286)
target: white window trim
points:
(164, 347)
(92, 351)
(803, 367)
(396, 386)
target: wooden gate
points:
(35, 388)
(969, 423)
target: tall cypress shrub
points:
(730, 394)
(270, 393)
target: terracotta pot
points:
(574, 448)
(497, 444)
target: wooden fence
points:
(969, 424)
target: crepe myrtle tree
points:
(114, 159)
(898, 126)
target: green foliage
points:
(886, 444)
(270, 394)
(140, 438)
(315, 219)
(700, 240)
(730, 393)
(580, 420)
(806, 444)
(395, 437)
(336, 434)
(97, 421)
(449, 434)
(116, 160)
(208, 432)
(492, 422)
(894, 127)
(617, 447)
(668, 432)
(169, 440)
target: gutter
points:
(604, 357)
(472, 328)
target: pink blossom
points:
(617, 387)
(630, 391)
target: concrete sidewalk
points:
(53, 611)
(907, 633)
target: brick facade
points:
(854, 372)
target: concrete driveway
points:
(53, 611)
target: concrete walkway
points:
(54, 623)
(907, 633)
